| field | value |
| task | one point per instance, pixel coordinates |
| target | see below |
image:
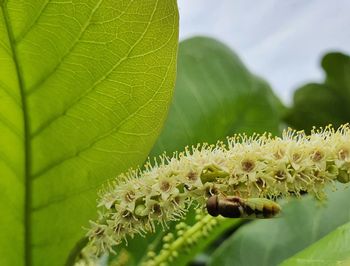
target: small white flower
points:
(248, 167)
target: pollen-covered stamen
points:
(260, 183)
(211, 190)
(157, 209)
(343, 154)
(296, 157)
(99, 231)
(164, 186)
(129, 196)
(248, 165)
(317, 156)
(192, 176)
(279, 154)
(118, 228)
(280, 175)
(177, 200)
(127, 215)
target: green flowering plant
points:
(260, 166)
(85, 88)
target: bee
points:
(236, 207)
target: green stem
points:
(181, 240)
(76, 251)
(194, 232)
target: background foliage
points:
(215, 96)
(321, 104)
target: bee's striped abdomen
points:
(236, 207)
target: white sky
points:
(282, 41)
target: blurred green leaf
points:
(215, 96)
(337, 68)
(84, 90)
(333, 249)
(269, 242)
(327, 103)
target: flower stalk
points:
(186, 237)
(260, 166)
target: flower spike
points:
(238, 172)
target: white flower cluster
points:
(260, 166)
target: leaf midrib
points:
(27, 147)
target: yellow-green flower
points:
(247, 167)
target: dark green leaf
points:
(324, 104)
(337, 68)
(333, 249)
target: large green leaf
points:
(322, 104)
(215, 96)
(333, 249)
(84, 89)
(269, 242)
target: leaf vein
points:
(107, 134)
(9, 164)
(5, 48)
(74, 44)
(10, 126)
(90, 145)
(61, 199)
(9, 92)
(24, 33)
(91, 89)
